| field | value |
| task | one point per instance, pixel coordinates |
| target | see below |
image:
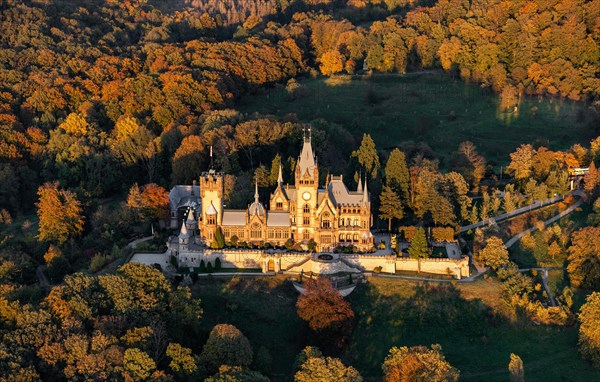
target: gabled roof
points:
(184, 196)
(339, 194)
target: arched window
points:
(348, 222)
(348, 237)
(306, 209)
(355, 237)
(255, 231)
(356, 222)
(341, 237)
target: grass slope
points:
(429, 107)
(395, 313)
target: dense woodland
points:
(106, 104)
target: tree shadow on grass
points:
(436, 313)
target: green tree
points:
(318, 368)
(515, 368)
(495, 254)
(390, 206)
(418, 364)
(226, 345)
(60, 214)
(589, 330)
(367, 155)
(274, 174)
(396, 174)
(218, 239)
(418, 247)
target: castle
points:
(331, 216)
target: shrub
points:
(202, 266)
(98, 262)
(217, 264)
(378, 269)
(209, 267)
(263, 360)
(441, 234)
(407, 233)
(194, 277)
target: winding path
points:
(516, 238)
(519, 211)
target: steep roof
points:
(339, 194)
(211, 210)
(306, 162)
(184, 196)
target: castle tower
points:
(211, 194)
(307, 185)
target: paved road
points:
(519, 211)
(545, 280)
(516, 238)
(39, 272)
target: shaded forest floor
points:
(471, 322)
(433, 108)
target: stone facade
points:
(331, 216)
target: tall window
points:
(212, 219)
(255, 232)
(326, 223)
(279, 205)
(306, 220)
(306, 209)
(306, 235)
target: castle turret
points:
(211, 194)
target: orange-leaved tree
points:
(60, 214)
(326, 311)
(150, 200)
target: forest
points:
(106, 104)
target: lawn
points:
(430, 107)
(466, 321)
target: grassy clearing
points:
(466, 321)
(432, 108)
(391, 314)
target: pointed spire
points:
(280, 176)
(190, 216)
(365, 193)
(256, 192)
(184, 232)
(360, 185)
(306, 162)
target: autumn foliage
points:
(325, 310)
(60, 214)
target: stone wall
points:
(302, 262)
(457, 268)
